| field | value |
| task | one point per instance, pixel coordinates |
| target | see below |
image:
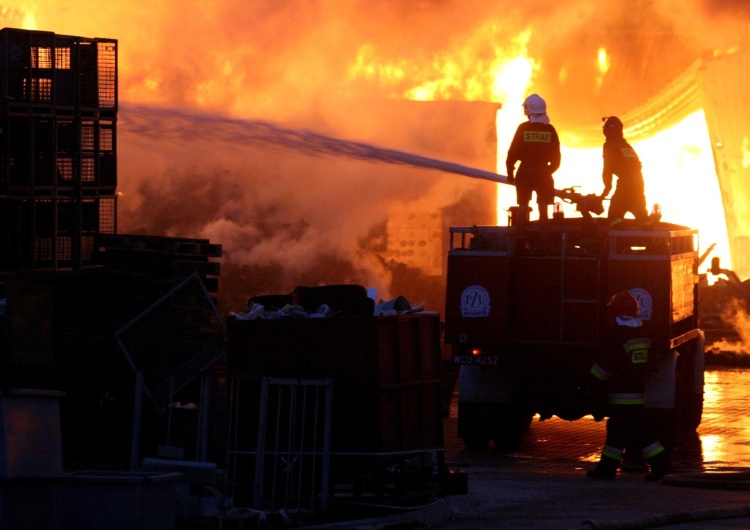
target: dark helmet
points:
(612, 121)
(621, 304)
(612, 127)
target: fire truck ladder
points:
(570, 304)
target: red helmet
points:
(622, 303)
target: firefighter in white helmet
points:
(621, 371)
(620, 159)
(537, 146)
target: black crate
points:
(43, 234)
(386, 374)
(54, 153)
(28, 357)
(41, 70)
(160, 254)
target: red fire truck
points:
(526, 315)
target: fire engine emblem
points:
(475, 302)
(645, 302)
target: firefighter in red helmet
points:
(620, 159)
(622, 304)
(621, 370)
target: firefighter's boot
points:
(659, 461)
(606, 469)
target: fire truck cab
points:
(525, 317)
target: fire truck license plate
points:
(475, 359)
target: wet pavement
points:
(543, 484)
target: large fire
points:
(678, 161)
(293, 62)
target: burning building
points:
(287, 216)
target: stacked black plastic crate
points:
(58, 137)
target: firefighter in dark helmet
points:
(537, 146)
(621, 372)
(621, 160)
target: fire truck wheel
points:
(512, 424)
(688, 406)
(473, 425)
(475, 442)
(689, 389)
(503, 423)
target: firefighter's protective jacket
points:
(622, 368)
(619, 158)
(537, 147)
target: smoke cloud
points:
(294, 206)
(735, 315)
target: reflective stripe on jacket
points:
(626, 398)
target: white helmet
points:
(534, 104)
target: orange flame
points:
(677, 162)
(680, 176)
(29, 21)
(603, 64)
(482, 65)
(459, 73)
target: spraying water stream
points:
(295, 207)
(160, 123)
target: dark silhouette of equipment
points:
(586, 204)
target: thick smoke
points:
(314, 218)
(735, 315)
(290, 206)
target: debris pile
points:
(323, 302)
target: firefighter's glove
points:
(511, 180)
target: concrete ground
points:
(543, 485)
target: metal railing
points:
(289, 459)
